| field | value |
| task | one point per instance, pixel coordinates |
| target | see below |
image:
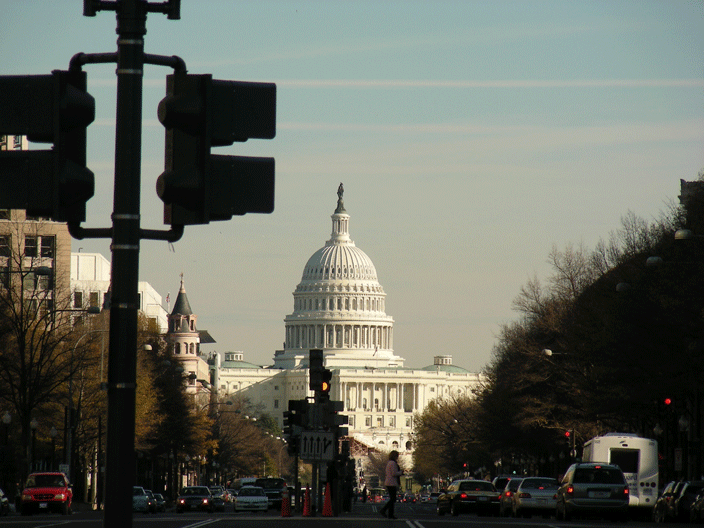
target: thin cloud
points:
(584, 83)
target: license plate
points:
(599, 494)
(482, 499)
(542, 501)
(43, 505)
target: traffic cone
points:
(306, 503)
(327, 504)
(285, 503)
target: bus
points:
(638, 459)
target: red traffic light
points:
(567, 434)
(668, 401)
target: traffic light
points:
(332, 419)
(315, 369)
(198, 187)
(52, 109)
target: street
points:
(419, 515)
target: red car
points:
(47, 492)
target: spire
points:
(340, 222)
(182, 306)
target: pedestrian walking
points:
(392, 483)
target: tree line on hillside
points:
(612, 341)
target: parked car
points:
(251, 498)
(468, 495)
(4, 503)
(151, 500)
(683, 501)
(140, 499)
(46, 492)
(535, 495)
(592, 489)
(273, 487)
(195, 498)
(160, 502)
(506, 496)
(663, 508)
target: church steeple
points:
(183, 333)
(182, 306)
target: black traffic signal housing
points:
(332, 419)
(315, 369)
(55, 109)
(198, 112)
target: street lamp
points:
(68, 458)
(33, 426)
(6, 419)
(53, 432)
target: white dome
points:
(337, 262)
(339, 306)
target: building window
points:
(48, 246)
(392, 421)
(78, 299)
(5, 277)
(408, 422)
(30, 246)
(350, 421)
(5, 246)
(94, 299)
(380, 421)
(5, 214)
(276, 404)
(368, 421)
(192, 377)
(276, 387)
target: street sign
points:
(317, 446)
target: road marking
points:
(415, 524)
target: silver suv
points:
(592, 489)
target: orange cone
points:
(285, 503)
(327, 504)
(306, 503)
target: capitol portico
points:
(339, 307)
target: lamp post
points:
(53, 432)
(71, 421)
(33, 426)
(6, 419)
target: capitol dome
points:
(339, 307)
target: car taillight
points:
(625, 490)
(463, 495)
(182, 501)
(570, 490)
(524, 495)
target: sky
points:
(472, 137)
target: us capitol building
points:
(339, 307)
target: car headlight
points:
(60, 496)
(27, 497)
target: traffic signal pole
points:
(122, 365)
